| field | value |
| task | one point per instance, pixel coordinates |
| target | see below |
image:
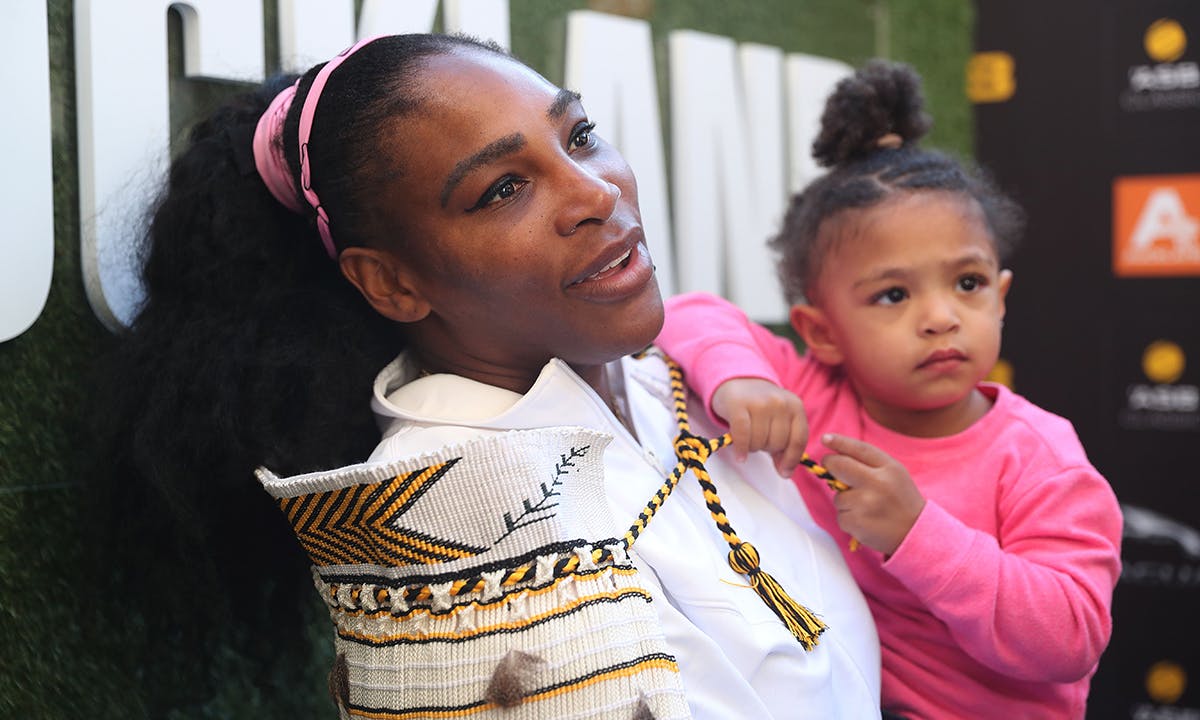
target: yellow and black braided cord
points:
(691, 451)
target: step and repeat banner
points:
(1089, 113)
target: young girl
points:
(989, 544)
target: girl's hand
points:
(882, 502)
(763, 416)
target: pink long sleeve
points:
(1038, 607)
(713, 341)
(1000, 595)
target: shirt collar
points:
(558, 397)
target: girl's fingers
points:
(863, 452)
(740, 431)
(788, 458)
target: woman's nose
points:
(587, 196)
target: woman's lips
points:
(623, 276)
(609, 268)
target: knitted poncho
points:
(482, 580)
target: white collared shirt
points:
(736, 659)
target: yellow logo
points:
(1165, 40)
(1165, 682)
(991, 77)
(1163, 361)
(1002, 373)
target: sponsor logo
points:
(1146, 528)
(1002, 373)
(1165, 40)
(1163, 403)
(1165, 682)
(1146, 711)
(1170, 81)
(991, 77)
(1156, 226)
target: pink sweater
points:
(997, 602)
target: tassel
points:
(801, 621)
(513, 679)
(690, 453)
(339, 681)
(642, 710)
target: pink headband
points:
(268, 152)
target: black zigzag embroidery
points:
(535, 512)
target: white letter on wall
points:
(26, 185)
(123, 116)
(610, 60)
(382, 17)
(753, 275)
(485, 19)
(810, 80)
(721, 228)
(312, 31)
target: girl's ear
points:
(1004, 283)
(386, 282)
(813, 327)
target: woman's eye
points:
(891, 296)
(506, 189)
(502, 190)
(583, 135)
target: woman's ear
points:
(811, 324)
(385, 282)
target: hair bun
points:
(882, 99)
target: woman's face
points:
(521, 225)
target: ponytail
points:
(870, 133)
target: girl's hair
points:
(251, 348)
(868, 139)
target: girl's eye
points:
(582, 137)
(971, 283)
(891, 296)
(505, 188)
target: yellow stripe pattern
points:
(359, 524)
(564, 609)
(625, 670)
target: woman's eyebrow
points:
(561, 101)
(492, 151)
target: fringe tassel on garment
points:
(692, 451)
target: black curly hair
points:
(251, 349)
(868, 140)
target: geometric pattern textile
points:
(482, 580)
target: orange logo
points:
(1156, 226)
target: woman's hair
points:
(868, 140)
(251, 348)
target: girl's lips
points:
(942, 359)
(619, 278)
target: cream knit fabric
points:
(483, 580)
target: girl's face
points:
(523, 232)
(910, 302)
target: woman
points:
(488, 556)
